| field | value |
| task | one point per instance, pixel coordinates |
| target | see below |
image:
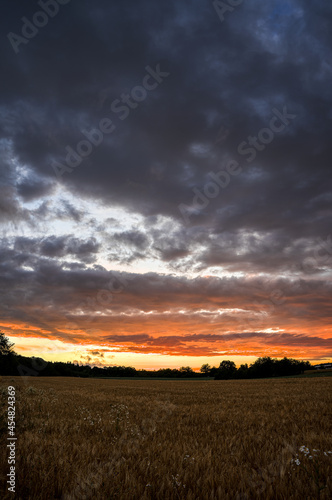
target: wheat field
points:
(148, 439)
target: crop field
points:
(141, 439)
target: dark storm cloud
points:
(10, 209)
(132, 238)
(58, 246)
(225, 80)
(29, 190)
(222, 75)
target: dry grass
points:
(118, 439)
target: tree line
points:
(13, 364)
(264, 367)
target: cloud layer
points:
(167, 96)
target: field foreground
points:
(121, 439)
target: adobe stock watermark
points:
(222, 8)
(220, 180)
(121, 107)
(11, 414)
(40, 19)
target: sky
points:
(165, 180)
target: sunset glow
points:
(166, 205)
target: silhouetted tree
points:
(205, 369)
(226, 370)
(8, 358)
(186, 371)
(262, 368)
(242, 372)
(213, 371)
(6, 347)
